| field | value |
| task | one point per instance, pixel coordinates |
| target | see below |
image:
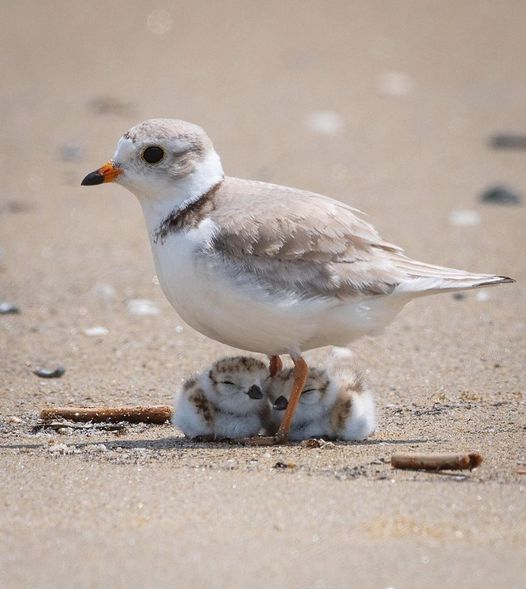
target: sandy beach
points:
(390, 107)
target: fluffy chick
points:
(224, 401)
(336, 403)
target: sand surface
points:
(411, 92)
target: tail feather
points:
(428, 279)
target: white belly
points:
(246, 317)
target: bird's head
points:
(160, 157)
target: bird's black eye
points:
(153, 154)
(228, 382)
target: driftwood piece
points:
(436, 462)
(152, 414)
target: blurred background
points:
(412, 111)
(390, 106)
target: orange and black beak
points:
(109, 172)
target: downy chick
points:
(336, 403)
(224, 401)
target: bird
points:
(336, 403)
(225, 401)
(261, 267)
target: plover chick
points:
(224, 401)
(335, 403)
(261, 267)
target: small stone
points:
(13, 420)
(482, 296)
(9, 309)
(230, 464)
(61, 449)
(56, 372)
(95, 331)
(464, 217)
(311, 443)
(508, 141)
(96, 448)
(142, 307)
(71, 152)
(284, 465)
(325, 122)
(458, 296)
(500, 195)
(64, 431)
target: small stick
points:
(436, 462)
(153, 414)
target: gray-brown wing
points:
(299, 242)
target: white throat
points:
(165, 197)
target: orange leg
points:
(301, 371)
(276, 365)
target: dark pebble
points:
(9, 309)
(500, 195)
(507, 141)
(50, 373)
(458, 296)
(71, 152)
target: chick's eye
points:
(228, 382)
(308, 391)
(153, 154)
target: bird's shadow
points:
(185, 444)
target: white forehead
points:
(125, 149)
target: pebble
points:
(13, 420)
(500, 195)
(104, 291)
(507, 141)
(482, 296)
(71, 152)
(458, 296)
(62, 449)
(56, 372)
(142, 307)
(9, 309)
(464, 217)
(324, 122)
(96, 331)
(64, 431)
(97, 448)
(284, 466)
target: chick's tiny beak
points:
(280, 404)
(254, 392)
(109, 172)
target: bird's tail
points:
(428, 279)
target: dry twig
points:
(436, 462)
(152, 414)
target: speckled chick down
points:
(226, 400)
(336, 403)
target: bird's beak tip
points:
(109, 172)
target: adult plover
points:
(262, 267)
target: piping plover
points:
(336, 403)
(224, 401)
(261, 267)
